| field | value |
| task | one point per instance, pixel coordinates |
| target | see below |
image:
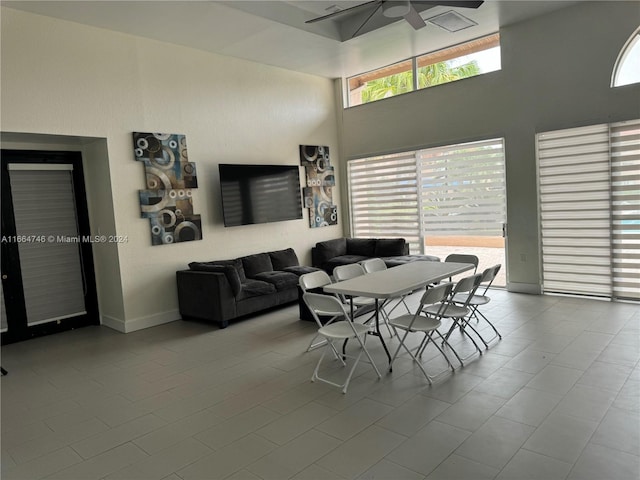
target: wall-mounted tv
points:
(259, 193)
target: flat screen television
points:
(259, 193)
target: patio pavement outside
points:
(488, 256)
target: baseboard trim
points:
(530, 288)
(140, 323)
(111, 322)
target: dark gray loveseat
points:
(223, 290)
(342, 251)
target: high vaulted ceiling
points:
(275, 32)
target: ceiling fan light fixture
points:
(396, 8)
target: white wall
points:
(556, 73)
(65, 79)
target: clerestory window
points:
(469, 59)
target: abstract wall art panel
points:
(167, 201)
(320, 178)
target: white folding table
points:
(395, 282)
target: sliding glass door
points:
(589, 195)
(443, 200)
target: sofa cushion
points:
(258, 263)
(332, 248)
(280, 280)
(254, 288)
(389, 247)
(300, 269)
(401, 260)
(361, 246)
(229, 271)
(284, 258)
(342, 260)
(236, 263)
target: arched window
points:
(627, 69)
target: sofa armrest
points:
(316, 258)
(205, 295)
(325, 251)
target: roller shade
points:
(44, 209)
(588, 192)
(625, 208)
(463, 189)
(383, 194)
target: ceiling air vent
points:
(451, 21)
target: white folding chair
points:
(353, 270)
(457, 312)
(478, 300)
(427, 323)
(375, 265)
(310, 282)
(346, 272)
(463, 258)
(337, 331)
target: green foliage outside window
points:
(428, 76)
(387, 86)
(443, 72)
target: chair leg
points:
(445, 342)
(497, 334)
(329, 346)
(466, 322)
(457, 324)
(402, 344)
(345, 385)
(373, 364)
(385, 318)
(313, 346)
(322, 342)
(353, 369)
(428, 337)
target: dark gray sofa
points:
(342, 251)
(223, 290)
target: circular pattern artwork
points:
(170, 176)
(320, 180)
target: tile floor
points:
(557, 398)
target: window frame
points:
(623, 56)
(453, 52)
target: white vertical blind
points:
(384, 198)
(463, 189)
(44, 206)
(625, 208)
(589, 185)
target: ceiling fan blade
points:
(414, 19)
(355, 34)
(453, 3)
(346, 10)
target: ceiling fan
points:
(374, 14)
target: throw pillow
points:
(332, 248)
(229, 271)
(282, 259)
(235, 263)
(258, 263)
